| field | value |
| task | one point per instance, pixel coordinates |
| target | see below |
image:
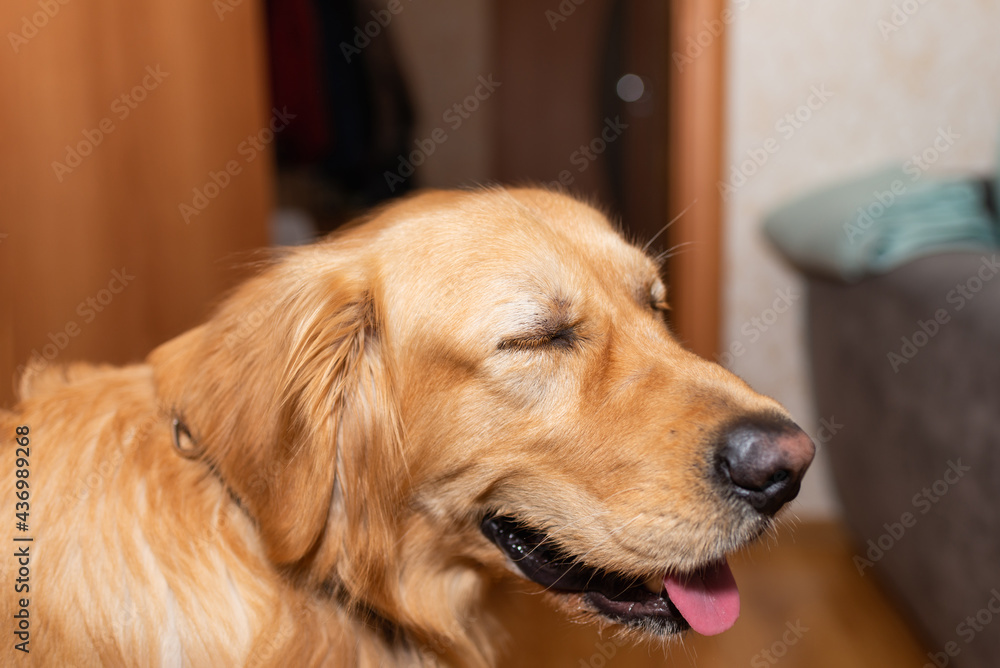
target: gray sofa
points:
(909, 363)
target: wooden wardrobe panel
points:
(549, 65)
(695, 146)
(114, 114)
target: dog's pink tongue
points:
(708, 599)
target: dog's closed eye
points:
(555, 335)
(549, 331)
(658, 298)
(548, 324)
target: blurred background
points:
(146, 149)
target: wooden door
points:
(554, 64)
(134, 172)
(695, 147)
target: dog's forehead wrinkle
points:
(537, 254)
(528, 314)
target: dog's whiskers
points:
(582, 558)
(672, 251)
(664, 228)
(549, 535)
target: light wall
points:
(444, 51)
(891, 82)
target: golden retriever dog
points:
(331, 469)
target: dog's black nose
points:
(763, 462)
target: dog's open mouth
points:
(706, 601)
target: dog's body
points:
(322, 473)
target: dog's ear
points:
(285, 390)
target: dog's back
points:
(122, 568)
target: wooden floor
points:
(803, 605)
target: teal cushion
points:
(876, 222)
(996, 176)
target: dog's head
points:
(476, 382)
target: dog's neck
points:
(323, 609)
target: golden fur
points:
(353, 412)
